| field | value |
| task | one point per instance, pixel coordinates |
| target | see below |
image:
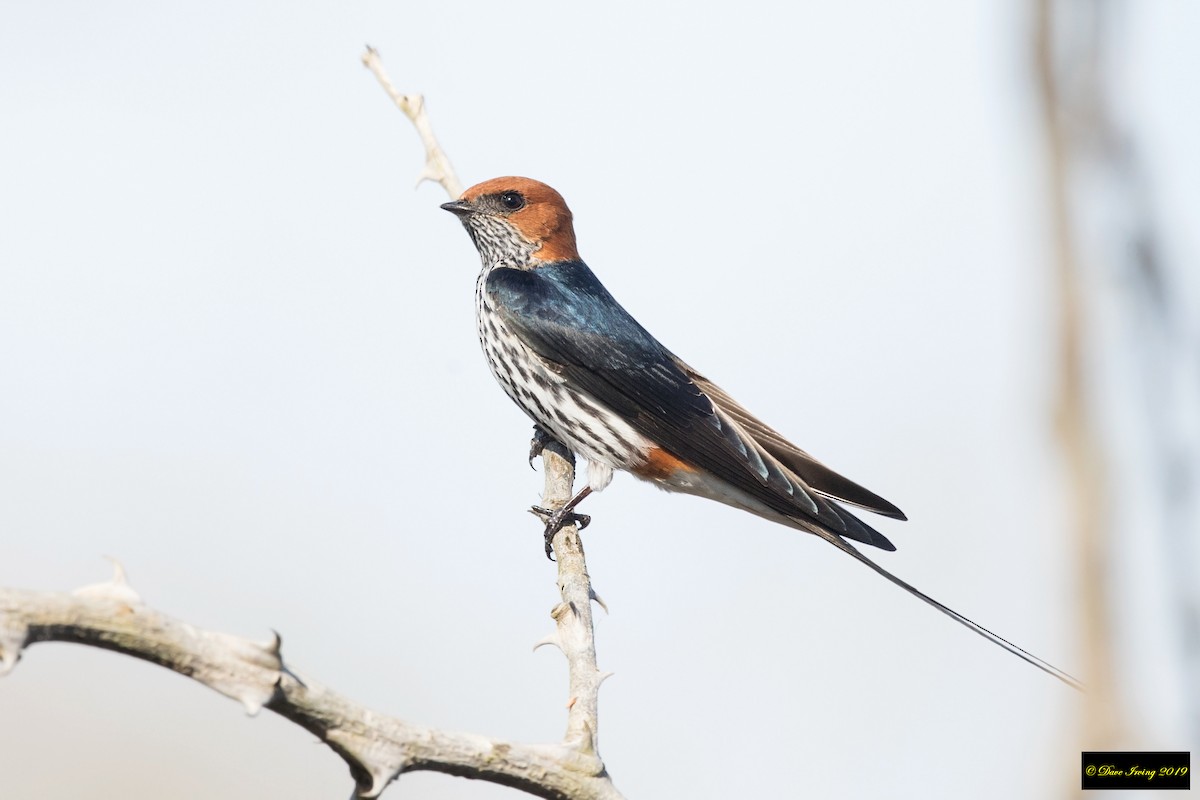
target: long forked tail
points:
(1000, 641)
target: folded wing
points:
(567, 317)
(816, 475)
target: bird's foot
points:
(556, 521)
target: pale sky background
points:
(237, 353)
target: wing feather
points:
(816, 475)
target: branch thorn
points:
(117, 588)
(552, 640)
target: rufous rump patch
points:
(660, 465)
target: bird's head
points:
(516, 222)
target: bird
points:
(591, 377)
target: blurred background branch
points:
(1127, 401)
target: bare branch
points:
(377, 748)
(437, 165)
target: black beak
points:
(459, 208)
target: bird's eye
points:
(513, 201)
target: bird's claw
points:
(557, 520)
(541, 438)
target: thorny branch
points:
(377, 748)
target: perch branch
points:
(574, 634)
(573, 616)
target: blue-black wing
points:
(565, 315)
